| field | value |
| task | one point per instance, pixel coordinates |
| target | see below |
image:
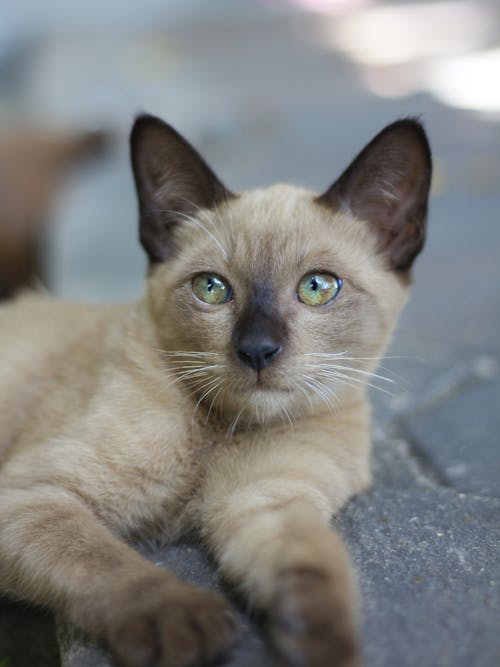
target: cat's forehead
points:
(273, 226)
(264, 226)
(278, 208)
(278, 228)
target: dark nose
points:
(258, 352)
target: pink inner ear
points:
(387, 185)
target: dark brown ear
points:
(387, 185)
(172, 181)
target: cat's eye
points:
(318, 289)
(212, 289)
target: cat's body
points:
(245, 418)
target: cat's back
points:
(38, 330)
(48, 351)
(34, 316)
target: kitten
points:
(231, 400)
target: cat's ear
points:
(172, 182)
(387, 185)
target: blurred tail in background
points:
(32, 167)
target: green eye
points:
(211, 288)
(317, 289)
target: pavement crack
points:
(424, 469)
(447, 385)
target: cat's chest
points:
(151, 471)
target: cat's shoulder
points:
(34, 312)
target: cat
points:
(230, 400)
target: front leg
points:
(266, 511)
(313, 614)
(55, 552)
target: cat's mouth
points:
(261, 386)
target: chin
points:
(262, 405)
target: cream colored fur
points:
(104, 440)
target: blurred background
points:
(268, 90)
(274, 90)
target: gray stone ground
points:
(265, 99)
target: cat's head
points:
(278, 301)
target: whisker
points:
(181, 372)
(320, 390)
(212, 386)
(324, 354)
(232, 427)
(330, 393)
(187, 371)
(189, 375)
(378, 358)
(284, 412)
(187, 353)
(196, 385)
(349, 380)
(222, 228)
(304, 392)
(195, 221)
(341, 367)
(214, 399)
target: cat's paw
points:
(312, 622)
(174, 626)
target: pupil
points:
(314, 285)
(210, 284)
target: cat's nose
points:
(258, 353)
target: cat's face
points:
(275, 302)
